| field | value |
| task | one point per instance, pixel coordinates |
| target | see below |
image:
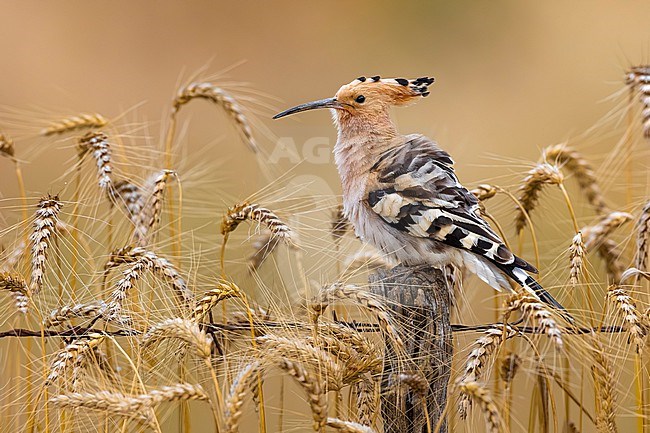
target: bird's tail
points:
(532, 286)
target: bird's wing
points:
(416, 191)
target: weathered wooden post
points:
(421, 301)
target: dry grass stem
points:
(574, 162)
(540, 175)
(182, 329)
(576, 258)
(45, 224)
(253, 212)
(74, 123)
(219, 97)
(242, 384)
(97, 143)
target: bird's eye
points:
(360, 99)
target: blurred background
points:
(511, 78)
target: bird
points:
(401, 193)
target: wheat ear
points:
(17, 286)
(576, 258)
(221, 98)
(540, 175)
(7, 146)
(482, 397)
(535, 311)
(98, 144)
(638, 77)
(182, 329)
(223, 290)
(340, 224)
(631, 316)
(263, 245)
(643, 238)
(253, 212)
(73, 123)
(117, 403)
(603, 375)
(241, 385)
(312, 386)
(45, 225)
(573, 161)
(66, 313)
(484, 191)
(129, 196)
(71, 355)
(363, 298)
(348, 426)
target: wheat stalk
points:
(340, 224)
(6, 146)
(643, 238)
(223, 290)
(638, 77)
(484, 191)
(603, 375)
(71, 353)
(312, 386)
(482, 397)
(97, 143)
(363, 298)
(17, 286)
(253, 212)
(73, 123)
(348, 426)
(540, 175)
(45, 224)
(306, 354)
(129, 196)
(576, 258)
(219, 97)
(534, 310)
(182, 329)
(241, 385)
(64, 314)
(631, 316)
(117, 403)
(143, 260)
(573, 161)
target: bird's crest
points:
(396, 91)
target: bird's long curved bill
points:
(323, 103)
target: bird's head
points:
(368, 98)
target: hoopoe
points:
(401, 194)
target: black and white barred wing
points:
(418, 192)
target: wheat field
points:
(147, 285)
